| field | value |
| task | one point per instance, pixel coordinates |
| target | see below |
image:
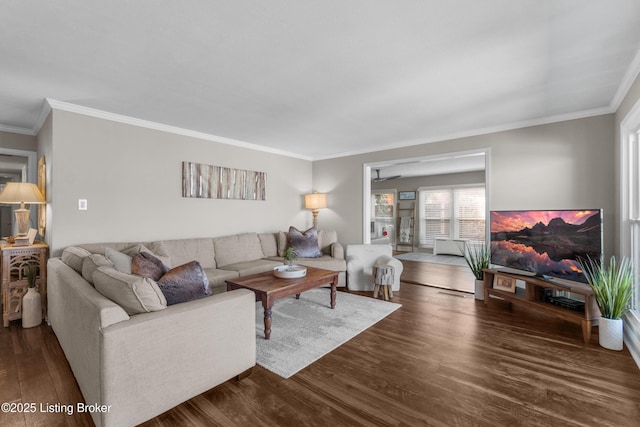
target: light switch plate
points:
(82, 204)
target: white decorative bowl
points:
(290, 272)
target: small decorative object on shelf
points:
(15, 279)
(504, 283)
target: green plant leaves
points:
(612, 285)
(478, 259)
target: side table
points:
(382, 280)
(14, 280)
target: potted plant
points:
(31, 301)
(612, 287)
(290, 255)
(478, 258)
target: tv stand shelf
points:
(533, 298)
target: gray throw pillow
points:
(184, 283)
(305, 243)
(121, 261)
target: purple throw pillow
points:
(184, 283)
(146, 265)
(305, 243)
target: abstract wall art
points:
(216, 182)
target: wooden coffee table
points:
(269, 288)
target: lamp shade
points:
(315, 201)
(19, 193)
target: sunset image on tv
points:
(546, 242)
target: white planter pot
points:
(31, 308)
(479, 291)
(610, 333)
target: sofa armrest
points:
(77, 312)
(337, 250)
(158, 360)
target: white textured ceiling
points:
(319, 78)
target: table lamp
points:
(315, 201)
(19, 193)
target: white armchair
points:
(360, 262)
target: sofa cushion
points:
(326, 238)
(184, 283)
(122, 259)
(325, 261)
(130, 248)
(182, 251)
(283, 242)
(91, 263)
(269, 244)
(146, 265)
(217, 279)
(304, 243)
(73, 256)
(135, 294)
(237, 248)
(253, 267)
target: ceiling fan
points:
(378, 178)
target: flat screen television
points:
(546, 243)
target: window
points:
(452, 212)
(383, 214)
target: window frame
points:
(453, 220)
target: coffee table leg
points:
(333, 295)
(267, 306)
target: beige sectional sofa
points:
(139, 366)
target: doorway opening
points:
(436, 199)
(15, 166)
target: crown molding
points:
(628, 79)
(51, 104)
(14, 129)
(100, 114)
(477, 132)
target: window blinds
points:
(452, 212)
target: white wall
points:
(566, 165)
(132, 179)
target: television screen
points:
(547, 243)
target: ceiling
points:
(319, 79)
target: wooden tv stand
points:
(534, 298)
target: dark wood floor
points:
(443, 359)
(438, 275)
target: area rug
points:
(304, 330)
(436, 259)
